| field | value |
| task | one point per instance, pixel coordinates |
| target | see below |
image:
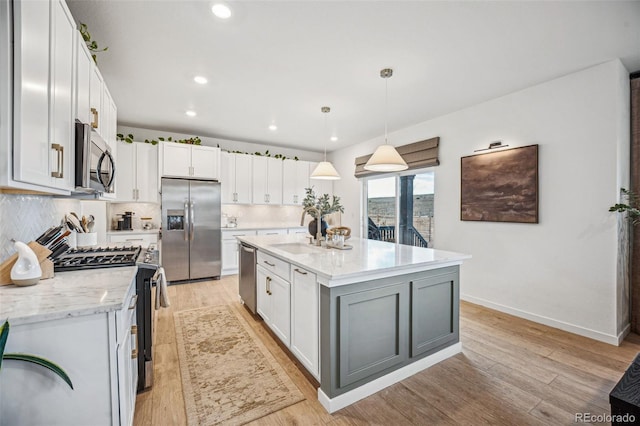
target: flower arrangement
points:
(321, 203)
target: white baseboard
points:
(611, 339)
(623, 334)
(334, 404)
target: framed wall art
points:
(500, 186)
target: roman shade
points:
(417, 155)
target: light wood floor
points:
(511, 372)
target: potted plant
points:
(629, 206)
(4, 335)
(324, 207)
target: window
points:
(400, 209)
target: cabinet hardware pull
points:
(94, 123)
(268, 286)
(134, 302)
(134, 239)
(270, 264)
(300, 272)
(59, 160)
(134, 354)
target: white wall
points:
(562, 271)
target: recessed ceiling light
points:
(191, 113)
(222, 11)
(273, 127)
(334, 138)
(200, 79)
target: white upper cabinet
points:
(43, 104)
(84, 64)
(205, 162)
(95, 98)
(137, 172)
(146, 172)
(267, 180)
(235, 175)
(195, 161)
(295, 178)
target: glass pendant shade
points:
(386, 159)
(325, 170)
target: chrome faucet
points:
(319, 224)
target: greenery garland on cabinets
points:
(265, 154)
(197, 141)
(91, 44)
(189, 141)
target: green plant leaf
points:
(4, 334)
(42, 362)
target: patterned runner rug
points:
(228, 375)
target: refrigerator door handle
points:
(192, 219)
(186, 221)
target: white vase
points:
(26, 270)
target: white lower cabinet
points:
(133, 239)
(230, 250)
(274, 303)
(290, 307)
(274, 231)
(97, 351)
(305, 318)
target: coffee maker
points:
(127, 223)
(124, 222)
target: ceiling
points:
(280, 62)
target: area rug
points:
(228, 375)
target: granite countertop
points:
(368, 259)
(68, 294)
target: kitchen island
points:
(359, 319)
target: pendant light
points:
(386, 158)
(324, 169)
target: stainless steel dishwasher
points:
(247, 276)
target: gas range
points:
(98, 257)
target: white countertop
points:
(68, 294)
(368, 259)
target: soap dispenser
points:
(26, 271)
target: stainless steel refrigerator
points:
(191, 237)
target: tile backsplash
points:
(25, 217)
(140, 209)
(270, 216)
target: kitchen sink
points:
(297, 248)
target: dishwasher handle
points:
(248, 248)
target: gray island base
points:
(363, 319)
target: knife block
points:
(45, 264)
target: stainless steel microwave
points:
(95, 165)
